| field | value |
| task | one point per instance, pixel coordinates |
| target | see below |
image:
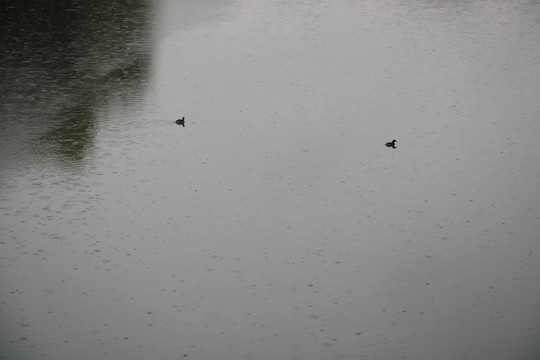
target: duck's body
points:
(181, 122)
(391, 144)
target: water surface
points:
(275, 224)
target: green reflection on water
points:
(61, 64)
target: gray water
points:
(275, 224)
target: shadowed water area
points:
(275, 224)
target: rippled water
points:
(275, 224)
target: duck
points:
(181, 122)
(391, 144)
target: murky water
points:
(275, 224)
